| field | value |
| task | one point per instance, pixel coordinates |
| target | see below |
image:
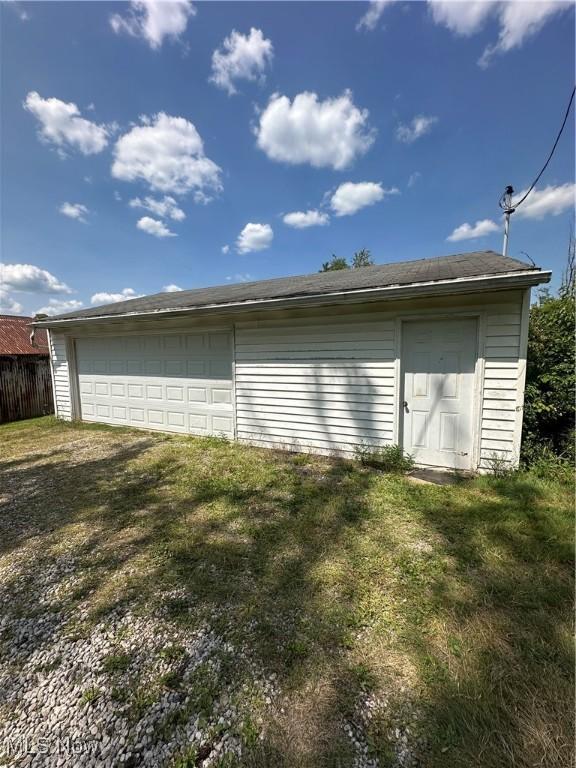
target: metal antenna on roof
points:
(505, 203)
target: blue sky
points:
(166, 144)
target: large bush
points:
(550, 379)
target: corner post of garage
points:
(76, 408)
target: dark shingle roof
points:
(380, 276)
(15, 333)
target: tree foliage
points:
(336, 263)
(550, 380)
(362, 258)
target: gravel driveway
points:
(83, 691)
(183, 602)
(92, 674)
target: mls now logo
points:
(42, 745)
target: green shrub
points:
(549, 412)
(545, 463)
(388, 458)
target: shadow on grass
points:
(236, 534)
(499, 675)
(297, 557)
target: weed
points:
(546, 464)
(187, 759)
(170, 680)
(90, 695)
(140, 700)
(249, 732)
(498, 466)
(116, 662)
(171, 652)
(121, 695)
(388, 458)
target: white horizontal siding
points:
(326, 382)
(503, 385)
(323, 385)
(60, 376)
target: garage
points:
(427, 355)
(170, 382)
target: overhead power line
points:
(537, 179)
(506, 202)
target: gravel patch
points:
(401, 736)
(91, 674)
(125, 694)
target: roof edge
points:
(520, 279)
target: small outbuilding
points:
(25, 380)
(427, 354)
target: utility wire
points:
(537, 179)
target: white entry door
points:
(439, 360)
(173, 382)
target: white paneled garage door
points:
(173, 382)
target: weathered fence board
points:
(25, 387)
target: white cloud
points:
(202, 198)
(166, 207)
(74, 211)
(254, 237)
(18, 9)
(304, 219)
(110, 298)
(549, 201)
(8, 305)
(154, 227)
(470, 231)
(350, 198)
(330, 133)
(62, 124)
(373, 14)
(31, 279)
(154, 20)
(167, 153)
(462, 18)
(172, 288)
(418, 127)
(518, 20)
(240, 277)
(242, 57)
(413, 178)
(58, 307)
(225, 249)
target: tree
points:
(362, 258)
(335, 263)
(550, 380)
(568, 286)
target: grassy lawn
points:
(361, 619)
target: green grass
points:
(116, 662)
(453, 604)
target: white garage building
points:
(428, 354)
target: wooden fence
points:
(25, 387)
